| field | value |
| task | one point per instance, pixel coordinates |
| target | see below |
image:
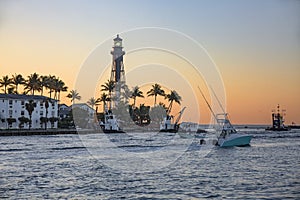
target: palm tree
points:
(33, 83)
(73, 95)
(5, 82)
(136, 92)
(173, 96)
(61, 87)
(46, 101)
(104, 98)
(44, 83)
(30, 108)
(51, 84)
(109, 86)
(58, 86)
(156, 90)
(93, 102)
(11, 90)
(16, 81)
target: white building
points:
(84, 106)
(13, 107)
(63, 111)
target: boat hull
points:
(278, 129)
(235, 140)
(113, 131)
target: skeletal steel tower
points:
(117, 69)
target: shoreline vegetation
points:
(59, 131)
(36, 84)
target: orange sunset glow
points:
(254, 50)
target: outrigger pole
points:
(217, 100)
(225, 114)
(208, 104)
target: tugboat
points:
(167, 124)
(278, 121)
(110, 124)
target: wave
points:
(66, 148)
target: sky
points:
(253, 45)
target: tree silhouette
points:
(30, 108)
(16, 81)
(154, 91)
(93, 102)
(46, 102)
(73, 95)
(33, 83)
(109, 86)
(23, 120)
(173, 96)
(104, 98)
(136, 92)
(5, 82)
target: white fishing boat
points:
(110, 124)
(167, 125)
(227, 134)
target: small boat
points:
(227, 134)
(278, 121)
(110, 124)
(294, 126)
(167, 125)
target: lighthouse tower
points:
(117, 69)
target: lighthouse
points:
(117, 69)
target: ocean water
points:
(149, 166)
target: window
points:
(10, 102)
(41, 113)
(22, 112)
(41, 104)
(22, 103)
(10, 112)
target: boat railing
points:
(224, 124)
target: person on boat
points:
(223, 134)
(202, 141)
